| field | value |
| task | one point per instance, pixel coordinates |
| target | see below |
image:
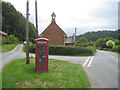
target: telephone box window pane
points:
(42, 54)
(41, 42)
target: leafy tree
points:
(100, 42)
(82, 42)
(110, 44)
(117, 42)
(14, 23)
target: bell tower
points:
(53, 17)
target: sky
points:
(85, 15)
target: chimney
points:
(74, 36)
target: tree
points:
(82, 42)
(14, 23)
(100, 42)
(110, 44)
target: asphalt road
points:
(11, 55)
(102, 69)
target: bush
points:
(105, 49)
(12, 39)
(66, 50)
(99, 48)
(116, 48)
(31, 48)
(8, 41)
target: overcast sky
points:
(85, 15)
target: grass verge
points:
(7, 47)
(61, 74)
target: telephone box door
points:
(42, 55)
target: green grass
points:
(24, 49)
(7, 47)
(61, 74)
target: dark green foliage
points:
(93, 36)
(101, 42)
(105, 49)
(14, 23)
(32, 48)
(66, 50)
(116, 48)
(11, 38)
(82, 42)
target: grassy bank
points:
(61, 74)
(7, 47)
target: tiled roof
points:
(53, 24)
(69, 40)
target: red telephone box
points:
(41, 58)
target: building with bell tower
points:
(54, 33)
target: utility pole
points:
(27, 33)
(36, 19)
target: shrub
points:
(31, 48)
(105, 49)
(99, 48)
(66, 50)
(116, 48)
(11, 38)
(8, 41)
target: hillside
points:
(14, 23)
(93, 36)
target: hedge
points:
(116, 48)
(67, 50)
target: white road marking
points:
(90, 61)
(86, 61)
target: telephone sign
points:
(41, 58)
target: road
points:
(11, 55)
(102, 68)
(103, 71)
